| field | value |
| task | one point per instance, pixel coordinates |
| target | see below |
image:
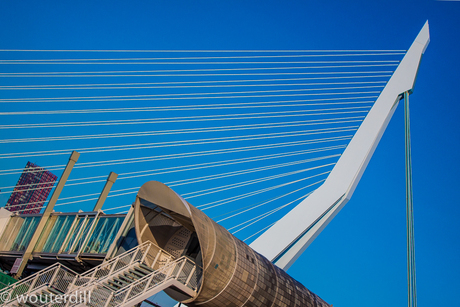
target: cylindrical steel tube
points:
(233, 274)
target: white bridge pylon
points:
(288, 238)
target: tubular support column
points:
(48, 210)
(412, 289)
(108, 185)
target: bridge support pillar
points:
(105, 192)
(49, 209)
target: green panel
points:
(58, 233)
(25, 233)
(74, 234)
(109, 236)
(89, 222)
(103, 235)
(6, 280)
(17, 241)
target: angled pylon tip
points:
(423, 36)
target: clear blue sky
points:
(360, 258)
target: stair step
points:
(144, 271)
(55, 291)
(127, 278)
(120, 281)
(146, 267)
(112, 286)
(138, 274)
(132, 276)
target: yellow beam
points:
(49, 209)
(108, 185)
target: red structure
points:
(32, 190)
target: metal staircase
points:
(50, 281)
(124, 280)
(135, 284)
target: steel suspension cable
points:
(245, 195)
(190, 142)
(219, 176)
(144, 84)
(249, 208)
(64, 62)
(249, 182)
(196, 50)
(187, 86)
(213, 57)
(271, 212)
(197, 166)
(259, 231)
(188, 155)
(105, 74)
(264, 215)
(200, 118)
(244, 183)
(239, 105)
(146, 98)
(339, 120)
(169, 170)
(190, 95)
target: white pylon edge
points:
(288, 238)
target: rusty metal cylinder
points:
(233, 274)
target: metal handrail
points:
(173, 270)
(114, 265)
(49, 277)
(66, 280)
(147, 253)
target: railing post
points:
(156, 258)
(172, 266)
(72, 284)
(127, 295)
(108, 300)
(133, 256)
(149, 281)
(94, 274)
(34, 281)
(146, 252)
(4, 298)
(55, 274)
(67, 303)
(191, 274)
(113, 267)
(10, 295)
(181, 268)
